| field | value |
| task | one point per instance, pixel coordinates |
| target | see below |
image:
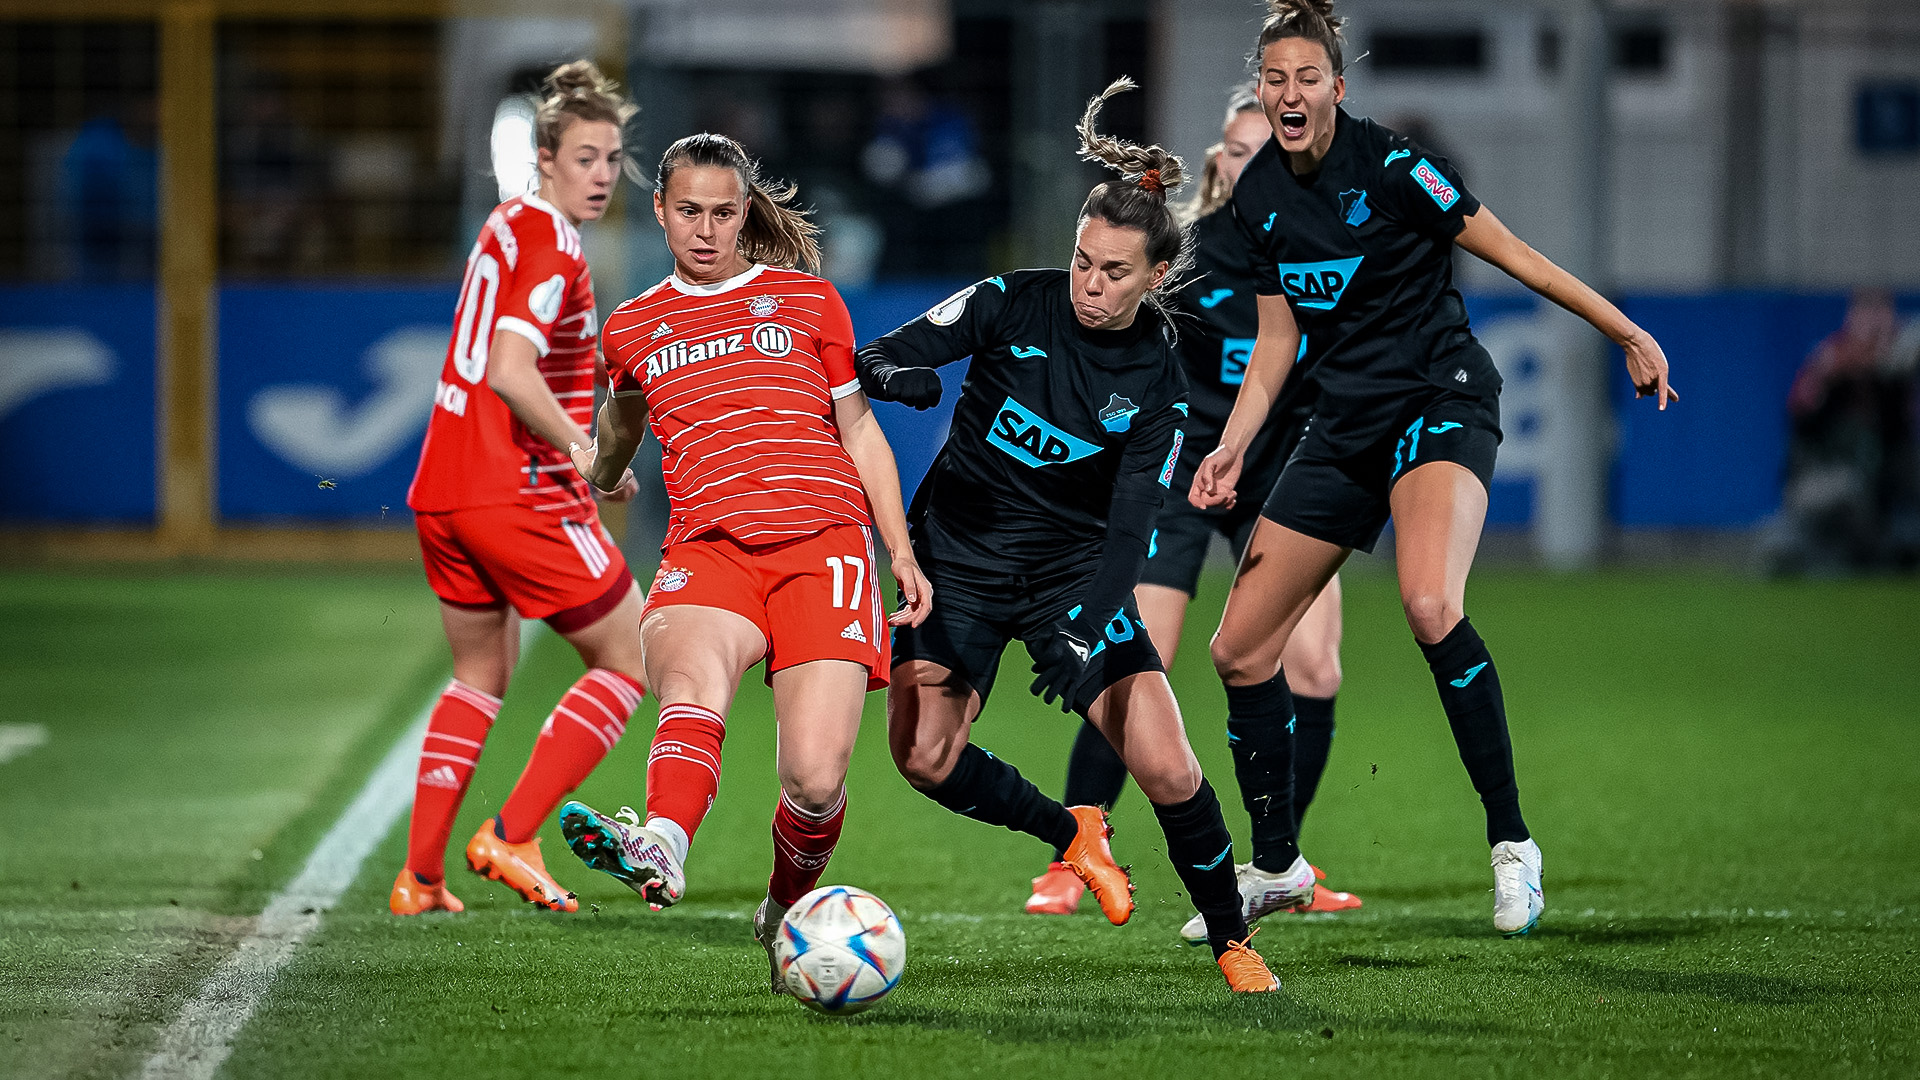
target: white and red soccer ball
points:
(840, 949)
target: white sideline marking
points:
(17, 740)
(198, 1041)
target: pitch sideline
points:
(197, 1042)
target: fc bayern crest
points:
(762, 306)
(673, 580)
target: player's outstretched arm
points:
(1489, 238)
(513, 372)
(873, 456)
(899, 366)
(1274, 352)
(604, 460)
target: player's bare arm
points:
(1489, 238)
(1274, 352)
(604, 459)
(872, 455)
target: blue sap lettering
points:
(1234, 354)
(1318, 285)
(1034, 442)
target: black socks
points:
(1202, 854)
(1095, 773)
(1260, 734)
(1312, 742)
(987, 789)
(1470, 692)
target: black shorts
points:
(976, 613)
(1181, 539)
(1340, 495)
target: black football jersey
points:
(1051, 418)
(1363, 250)
(1216, 335)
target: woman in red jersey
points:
(777, 474)
(506, 524)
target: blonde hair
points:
(578, 91)
(1215, 189)
(776, 231)
(1139, 199)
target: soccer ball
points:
(840, 949)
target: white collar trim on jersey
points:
(717, 287)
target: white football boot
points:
(1517, 899)
(1261, 894)
(622, 847)
(766, 931)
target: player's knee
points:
(1169, 782)
(1238, 665)
(813, 794)
(1314, 673)
(923, 767)
(1430, 613)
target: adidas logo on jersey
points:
(660, 331)
(854, 633)
(680, 354)
(441, 777)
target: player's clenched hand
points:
(628, 487)
(915, 387)
(915, 593)
(1214, 480)
(1064, 665)
(1647, 367)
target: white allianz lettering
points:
(680, 353)
(451, 398)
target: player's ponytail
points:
(1139, 199)
(1312, 20)
(1215, 188)
(776, 231)
(578, 91)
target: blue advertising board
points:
(324, 395)
(77, 404)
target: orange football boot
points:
(1246, 973)
(411, 896)
(517, 866)
(1056, 892)
(1091, 860)
(1325, 899)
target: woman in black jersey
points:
(1353, 228)
(1216, 334)
(1034, 523)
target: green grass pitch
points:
(1721, 772)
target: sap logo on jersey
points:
(1032, 441)
(1443, 193)
(680, 353)
(1234, 354)
(1318, 285)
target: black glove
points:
(1065, 665)
(915, 387)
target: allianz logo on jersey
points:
(1032, 441)
(769, 339)
(1318, 285)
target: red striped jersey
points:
(526, 275)
(740, 378)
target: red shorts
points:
(814, 598)
(561, 568)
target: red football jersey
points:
(527, 276)
(740, 379)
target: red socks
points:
(583, 727)
(683, 771)
(455, 733)
(802, 844)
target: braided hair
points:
(1138, 200)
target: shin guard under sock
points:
(1470, 692)
(1312, 742)
(803, 841)
(987, 789)
(1095, 774)
(1202, 854)
(1260, 734)
(456, 731)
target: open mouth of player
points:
(1293, 125)
(704, 255)
(597, 202)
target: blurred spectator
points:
(108, 180)
(926, 151)
(272, 178)
(1852, 497)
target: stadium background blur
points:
(230, 232)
